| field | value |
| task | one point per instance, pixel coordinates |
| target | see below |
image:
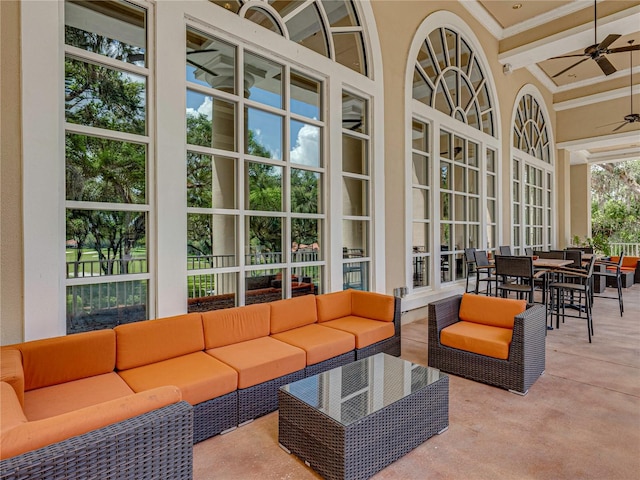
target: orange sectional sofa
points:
(223, 367)
(629, 264)
(498, 341)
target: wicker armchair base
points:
(215, 416)
(526, 360)
(256, 401)
(153, 445)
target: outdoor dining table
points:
(551, 263)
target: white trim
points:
(484, 17)
(43, 169)
(547, 17)
(596, 98)
(542, 77)
(592, 81)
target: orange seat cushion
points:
(151, 341)
(494, 311)
(321, 343)
(366, 331)
(293, 313)
(332, 306)
(199, 377)
(65, 397)
(62, 359)
(477, 338)
(235, 325)
(372, 305)
(261, 359)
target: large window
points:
(255, 175)
(107, 167)
(454, 171)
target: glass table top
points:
(358, 389)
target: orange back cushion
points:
(234, 325)
(63, 359)
(494, 311)
(293, 313)
(372, 305)
(631, 262)
(332, 306)
(152, 341)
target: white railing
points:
(629, 249)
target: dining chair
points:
(484, 267)
(515, 275)
(554, 254)
(470, 261)
(505, 250)
(612, 271)
(575, 256)
(574, 292)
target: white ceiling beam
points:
(597, 98)
(603, 141)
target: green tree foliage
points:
(615, 207)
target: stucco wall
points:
(11, 278)
(580, 195)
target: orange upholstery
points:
(333, 305)
(260, 360)
(11, 370)
(32, 435)
(372, 305)
(11, 414)
(366, 331)
(65, 397)
(234, 325)
(477, 338)
(199, 377)
(293, 313)
(142, 343)
(628, 262)
(63, 359)
(494, 311)
(321, 343)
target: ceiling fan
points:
(632, 117)
(597, 51)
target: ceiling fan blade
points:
(569, 68)
(620, 126)
(608, 41)
(631, 48)
(569, 56)
(605, 65)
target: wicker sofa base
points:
(334, 362)
(215, 416)
(526, 360)
(391, 346)
(256, 401)
(153, 445)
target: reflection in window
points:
(305, 96)
(210, 62)
(264, 134)
(306, 29)
(530, 129)
(263, 187)
(262, 80)
(305, 144)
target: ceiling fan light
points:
(516, 6)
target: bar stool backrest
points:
(510, 266)
(576, 256)
(505, 250)
(481, 258)
(555, 254)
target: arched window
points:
(532, 174)
(454, 151)
(329, 27)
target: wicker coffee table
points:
(354, 420)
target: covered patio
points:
(581, 419)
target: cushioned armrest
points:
(33, 435)
(11, 371)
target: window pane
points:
(355, 238)
(103, 170)
(446, 149)
(207, 188)
(102, 97)
(491, 161)
(459, 178)
(445, 237)
(445, 206)
(264, 240)
(210, 62)
(306, 279)
(340, 13)
(473, 181)
(211, 241)
(306, 29)
(355, 196)
(349, 48)
(474, 210)
(445, 175)
(262, 80)
(306, 191)
(420, 204)
(420, 170)
(421, 271)
(305, 144)
(421, 90)
(354, 155)
(305, 96)
(113, 29)
(263, 187)
(264, 134)
(461, 208)
(419, 136)
(356, 276)
(263, 18)
(102, 242)
(354, 113)
(491, 211)
(210, 122)
(305, 240)
(106, 305)
(263, 286)
(211, 291)
(420, 239)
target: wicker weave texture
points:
(253, 402)
(155, 445)
(359, 450)
(214, 416)
(334, 362)
(526, 360)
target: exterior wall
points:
(580, 196)
(11, 278)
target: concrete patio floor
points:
(580, 420)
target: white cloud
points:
(205, 108)
(307, 148)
